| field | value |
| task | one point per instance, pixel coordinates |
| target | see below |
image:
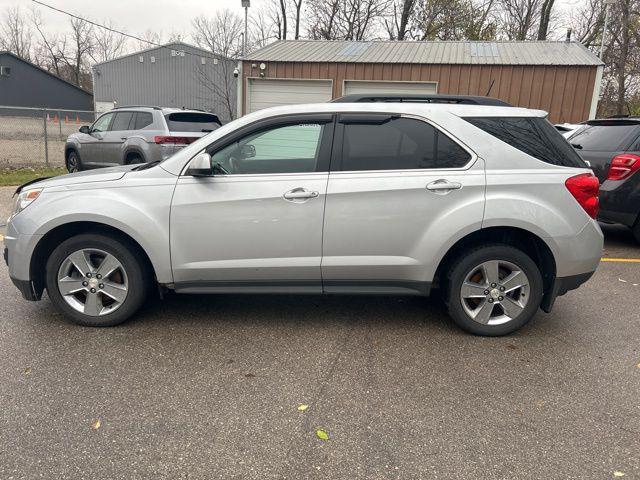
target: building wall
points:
(172, 81)
(28, 86)
(564, 91)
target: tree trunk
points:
(407, 8)
(545, 16)
(283, 9)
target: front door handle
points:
(443, 186)
(299, 194)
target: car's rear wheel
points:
(494, 290)
(636, 230)
(73, 162)
(96, 280)
(135, 159)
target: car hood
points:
(98, 175)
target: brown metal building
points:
(562, 78)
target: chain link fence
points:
(35, 137)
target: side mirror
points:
(200, 166)
(85, 129)
(248, 151)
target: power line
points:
(99, 25)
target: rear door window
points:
(605, 137)
(397, 143)
(143, 119)
(192, 122)
(122, 121)
(534, 136)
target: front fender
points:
(141, 213)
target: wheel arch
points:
(525, 240)
(131, 152)
(57, 235)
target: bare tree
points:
(46, 50)
(283, 16)
(545, 17)
(519, 18)
(220, 33)
(76, 51)
(261, 29)
(107, 44)
(397, 25)
(15, 33)
(297, 7)
(221, 86)
(587, 22)
(323, 15)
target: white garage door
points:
(353, 86)
(263, 93)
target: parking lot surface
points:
(209, 387)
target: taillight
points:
(584, 188)
(622, 166)
(164, 139)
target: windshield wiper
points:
(144, 166)
(576, 145)
(206, 130)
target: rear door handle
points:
(443, 186)
(299, 194)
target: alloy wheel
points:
(495, 292)
(92, 282)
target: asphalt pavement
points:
(210, 387)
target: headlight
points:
(25, 198)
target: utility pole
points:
(245, 4)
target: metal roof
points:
(169, 46)
(437, 52)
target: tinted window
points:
(532, 135)
(399, 143)
(192, 122)
(607, 138)
(286, 149)
(143, 119)
(102, 124)
(122, 121)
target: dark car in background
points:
(136, 134)
(612, 147)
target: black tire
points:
(467, 263)
(134, 160)
(128, 255)
(636, 230)
(73, 162)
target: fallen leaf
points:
(510, 346)
(638, 365)
(322, 434)
(540, 403)
(96, 424)
(27, 371)
(618, 474)
(249, 375)
(303, 408)
(621, 280)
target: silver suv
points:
(129, 135)
(487, 204)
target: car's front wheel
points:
(74, 164)
(494, 290)
(96, 280)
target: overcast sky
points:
(136, 16)
(171, 16)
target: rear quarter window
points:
(192, 122)
(534, 136)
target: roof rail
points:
(420, 98)
(137, 106)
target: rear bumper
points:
(562, 285)
(620, 200)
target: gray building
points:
(23, 84)
(173, 75)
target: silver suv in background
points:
(129, 135)
(488, 204)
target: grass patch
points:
(18, 176)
